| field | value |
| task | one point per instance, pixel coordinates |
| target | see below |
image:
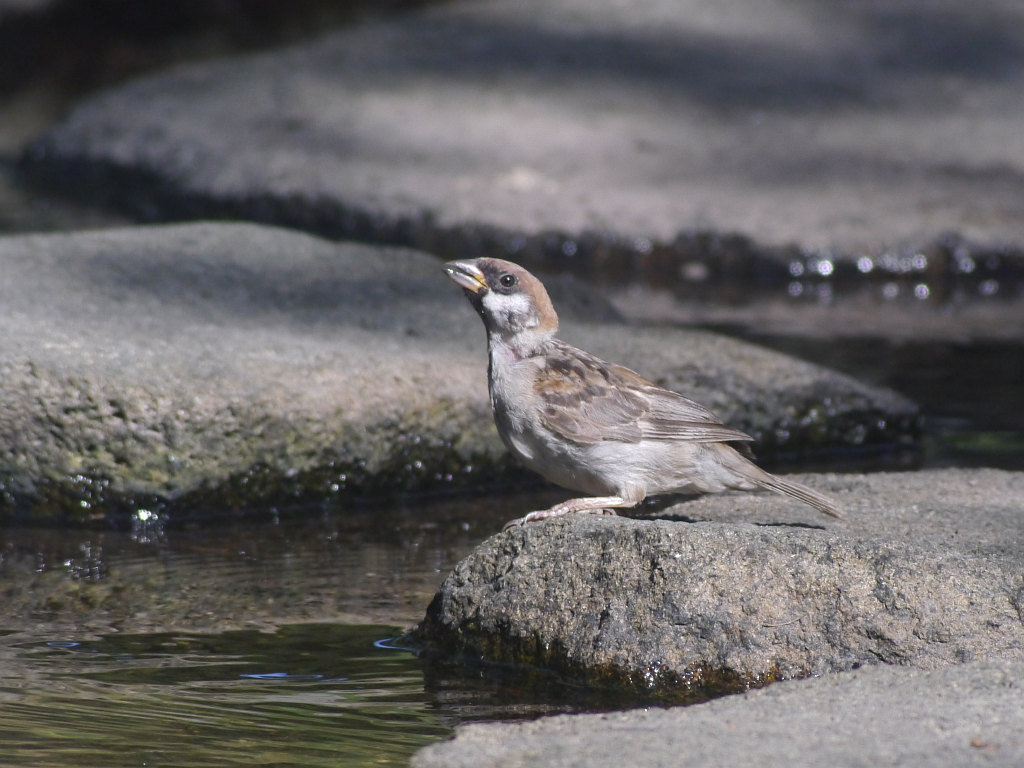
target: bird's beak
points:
(467, 275)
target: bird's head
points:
(513, 303)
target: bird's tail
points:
(749, 476)
(819, 501)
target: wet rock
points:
(728, 592)
(967, 715)
(532, 126)
(220, 367)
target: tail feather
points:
(747, 476)
(819, 501)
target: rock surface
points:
(152, 364)
(234, 366)
(858, 128)
(926, 570)
(971, 714)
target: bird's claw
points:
(544, 514)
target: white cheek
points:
(511, 310)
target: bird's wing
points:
(674, 417)
(587, 400)
(579, 399)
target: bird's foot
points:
(544, 514)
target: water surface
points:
(247, 643)
(305, 695)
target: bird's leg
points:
(594, 505)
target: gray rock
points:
(971, 714)
(216, 366)
(854, 129)
(926, 570)
(228, 366)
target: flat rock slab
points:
(217, 367)
(926, 570)
(859, 127)
(967, 715)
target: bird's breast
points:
(513, 402)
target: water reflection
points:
(709, 268)
(181, 648)
(164, 648)
(950, 271)
(310, 694)
(368, 564)
(209, 700)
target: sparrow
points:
(592, 426)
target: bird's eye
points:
(507, 280)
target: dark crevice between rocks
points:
(700, 266)
(260, 492)
(821, 435)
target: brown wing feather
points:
(581, 401)
(674, 417)
(588, 400)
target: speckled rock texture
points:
(727, 592)
(226, 366)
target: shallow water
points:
(256, 643)
(308, 695)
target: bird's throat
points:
(517, 347)
(502, 352)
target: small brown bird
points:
(593, 426)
